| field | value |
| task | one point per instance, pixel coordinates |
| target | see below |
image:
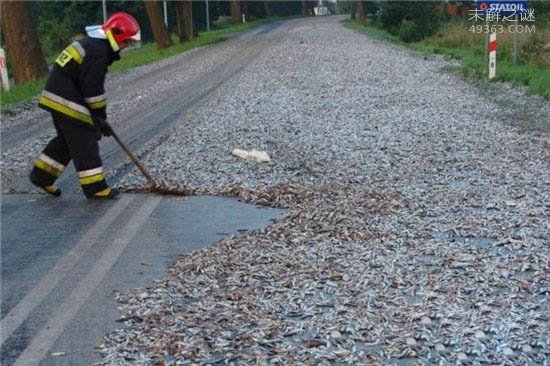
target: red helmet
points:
(121, 29)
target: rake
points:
(154, 185)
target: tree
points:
(542, 11)
(361, 13)
(160, 33)
(285, 8)
(267, 9)
(411, 21)
(253, 9)
(185, 21)
(304, 9)
(22, 42)
(235, 12)
(58, 22)
(353, 10)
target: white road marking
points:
(21, 311)
(48, 335)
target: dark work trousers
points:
(73, 141)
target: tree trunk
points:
(361, 13)
(179, 22)
(267, 9)
(304, 10)
(235, 12)
(185, 21)
(23, 48)
(353, 10)
(160, 33)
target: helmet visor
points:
(136, 37)
(133, 41)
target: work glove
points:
(104, 128)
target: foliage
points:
(531, 46)
(370, 7)
(345, 7)
(286, 8)
(412, 21)
(542, 11)
(58, 22)
(535, 47)
(409, 31)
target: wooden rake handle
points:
(133, 158)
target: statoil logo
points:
(503, 7)
(498, 8)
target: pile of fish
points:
(417, 222)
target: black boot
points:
(48, 188)
(106, 194)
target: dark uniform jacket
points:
(75, 86)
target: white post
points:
(104, 10)
(207, 17)
(4, 70)
(492, 55)
(515, 54)
(486, 53)
(165, 14)
(244, 18)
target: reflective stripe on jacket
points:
(75, 86)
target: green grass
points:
(456, 42)
(21, 93)
(372, 31)
(146, 54)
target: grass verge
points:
(146, 54)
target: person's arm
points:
(92, 80)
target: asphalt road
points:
(62, 258)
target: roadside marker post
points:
(500, 8)
(207, 18)
(486, 49)
(4, 70)
(515, 53)
(492, 55)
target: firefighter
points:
(75, 96)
